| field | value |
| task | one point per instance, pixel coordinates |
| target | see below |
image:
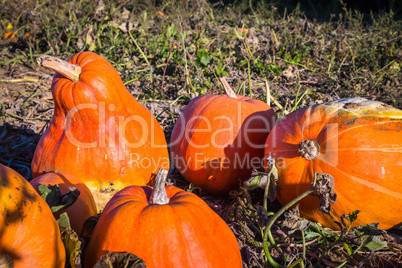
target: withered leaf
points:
(120, 260)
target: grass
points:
(194, 47)
(179, 49)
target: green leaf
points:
(257, 179)
(92, 46)
(205, 60)
(352, 216)
(368, 229)
(56, 201)
(120, 259)
(71, 242)
(220, 71)
(171, 30)
(373, 242)
(64, 221)
(309, 235)
(49, 193)
(347, 248)
(317, 227)
(370, 235)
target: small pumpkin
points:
(29, 234)
(219, 139)
(83, 208)
(111, 140)
(356, 141)
(166, 227)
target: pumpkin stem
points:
(229, 91)
(70, 71)
(309, 149)
(6, 261)
(158, 195)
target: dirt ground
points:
(30, 108)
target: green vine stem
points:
(304, 246)
(296, 263)
(139, 48)
(330, 246)
(268, 234)
(350, 256)
(263, 180)
(265, 204)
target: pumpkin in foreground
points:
(83, 208)
(29, 234)
(356, 141)
(111, 140)
(166, 227)
(219, 139)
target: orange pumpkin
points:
(166, 227)
(111, 140)
(83, 208)
(29, 234)
(356, 141)
(219, 139)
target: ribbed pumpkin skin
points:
(83, 208)
(183, 233)
(224, 127)
(361, 147)
(29, 233)
(94, 139)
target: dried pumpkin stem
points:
(70, 71)
(6, 261)
(229, 91)
(158, 195)
(309, 149)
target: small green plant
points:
(369, 234)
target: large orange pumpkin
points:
(29, 233)
(83, 208)
(356, 141)
(219, 139)
(98, 132)
(166, 227)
